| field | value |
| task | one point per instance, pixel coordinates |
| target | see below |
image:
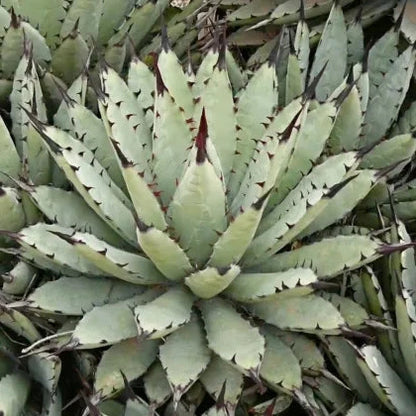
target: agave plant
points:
(191, 242)
(64, 34)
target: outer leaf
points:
(165, 314)
(9, 158)
(109, 324)
(247, 349)
(184, 356)
(344, 357)
(75, 296)
(156, 385)
(131, 357)
(13, 215)
(332, 51)
(118, 263)
(14, 391)
(219, 374)
(327, 257)
(307, 314)
(252, 287)
(46, 370)
(361, 409)
(387, 385)
(280, 367)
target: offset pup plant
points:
(193, 237)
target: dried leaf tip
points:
(222, 50)
(201, 139)
(311, 90)
(165, 38)
(15, 20)
(160, 85)
(399, 20)
(258, 205)
(123, 159)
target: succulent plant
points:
(197, 236)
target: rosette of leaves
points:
(65, 33)
(193, 249)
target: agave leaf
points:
(305, 313)
(305, 349)
(110, 408)
(142, 82)
(45, 15)
(125, 121)
(50, 241)
(184, 355)
(344, 356)
(203, 74)
(222, 379)
(385, 382)
(97, 189)
(19, 324)
(332, 52)
(389, 152)
(385, 103)
(217, 100)
(144, 199)
(211, 281)
(327, 257)
(234, 241)
(130, 357)
(52, 405)
(353, 313)
(238, 77)
(294, 80)
(54, 203)
(253, 287)
(380, 58)
(247, 349)
(378, 306)
(272, 155)
(355, 44)
(174, 79)
(406, 122)
(156, 385)
(46, 370)
(165, 314)
(85, 15)
(77, 295)
(172, 138)
(362, 409)
(122, 264)
(259, 97)
(198, 205)
(13, 46)
(164, 252)
(139, 21)
(136, 408)
(347, 127)
(277, 405)
(21, 276)
(14, 391)
(325, 175)
(256, 8)
(309, 145)
(9, 158)
(344, 201)
(90, 130)
(13, 215)
(280, 367)
(110, 323)
(112, 16)
(70, 57)
(406, 326)
(332, 393)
